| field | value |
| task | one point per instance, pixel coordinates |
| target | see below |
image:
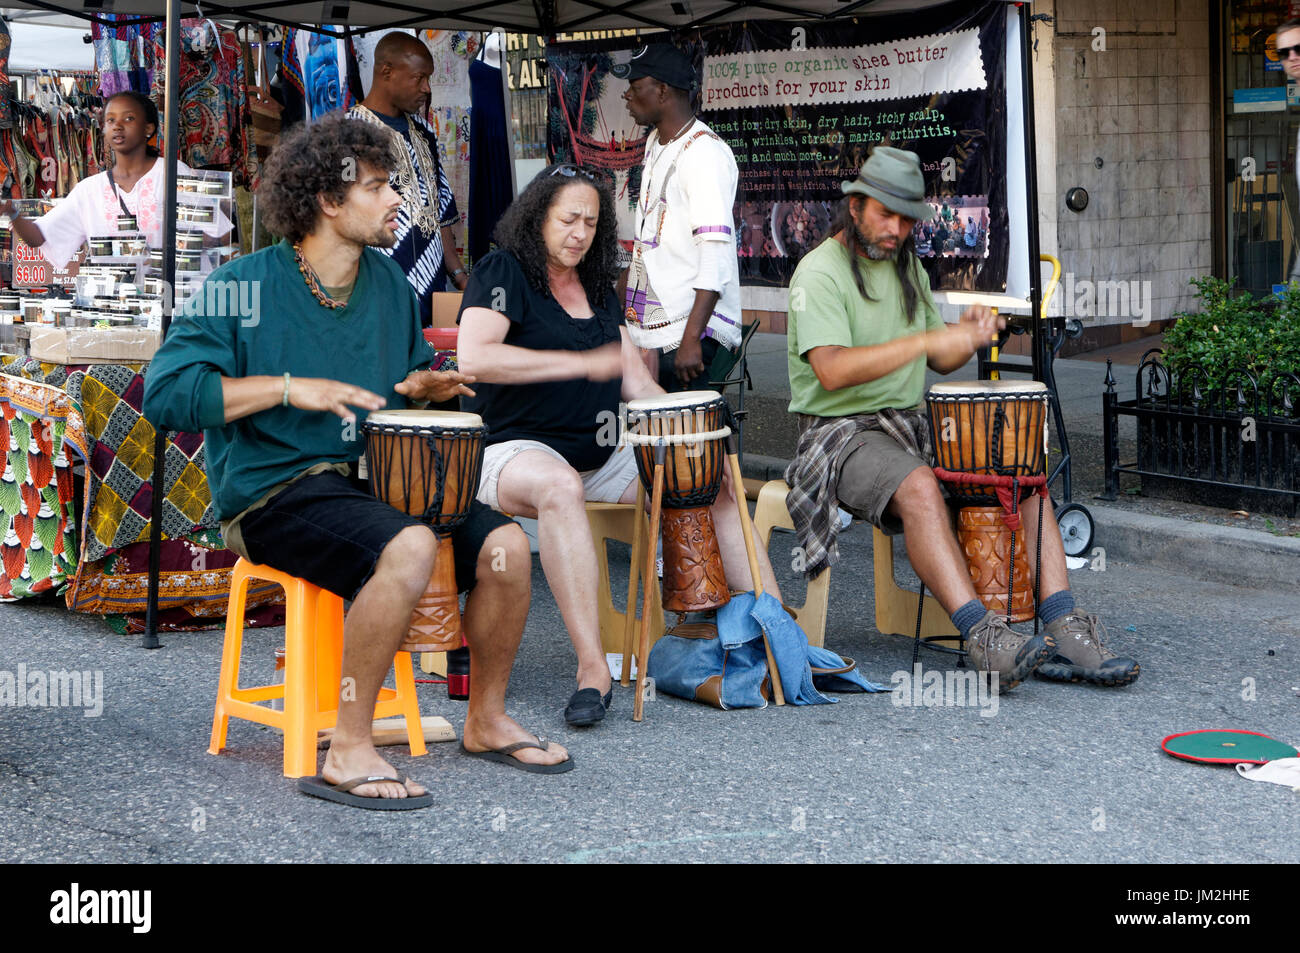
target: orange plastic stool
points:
(313, 634)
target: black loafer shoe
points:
(587, 707)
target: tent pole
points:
(171, 141)
(1041, 352)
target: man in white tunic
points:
(683, 289)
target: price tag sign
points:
(29, 267)
(31, 270)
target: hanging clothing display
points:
(288, 82)
(64, 131)
(214, 117)
(322, 75)
(6, 41)
(126, 56)
(489, 156)
(316, 75)
(449, 107)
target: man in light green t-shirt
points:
(863, 328)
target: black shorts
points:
(330, 530)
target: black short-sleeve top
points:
(567, 415)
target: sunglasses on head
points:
(1284, 52)
(569, 171)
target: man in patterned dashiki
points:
(426, 247)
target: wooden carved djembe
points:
(427, 463)
(990, 445)
(691, 426)
(989, 546)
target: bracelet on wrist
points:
(284, 399)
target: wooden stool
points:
(626, 523)
(770, 513)
(313, 653)
(895, 606)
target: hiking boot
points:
(992, 646)
(1081, 655)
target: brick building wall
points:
(1141, 106)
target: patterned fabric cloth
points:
(6, 42)
(213, 102)
(813, 474)
(93, 411)
(120, 498)
(125, 55)
(38, 548)
(428, 204)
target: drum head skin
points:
(689, 398)
(447, 419)
(971, 388)
(1211, 746)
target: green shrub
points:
(1237, 332)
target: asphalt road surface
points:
(1058, 773)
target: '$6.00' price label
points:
(31, 274)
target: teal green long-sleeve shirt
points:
(256, 316)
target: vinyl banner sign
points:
(845, 74)
(801, 105)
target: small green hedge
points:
(1236, 332)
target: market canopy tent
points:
(44, 41)
(547, 18)
(544, 17)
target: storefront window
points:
(1261, 111)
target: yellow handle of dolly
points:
(1052, 282)
(1050, 290)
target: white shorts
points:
(604, 485)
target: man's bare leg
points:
(931, 544)
(375, 626)
(535, 484)
(495, 614)
(731, 540)
(1053, 569)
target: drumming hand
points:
(603, 363)
(689, 360)
(316, 393)
(977, 328)
(435, 386)
(984, 320)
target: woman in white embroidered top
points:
(132, 186)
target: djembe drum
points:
(692, 428)
(427, 464)
(990, 444)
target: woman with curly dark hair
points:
(542, 332)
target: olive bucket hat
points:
(893, 178)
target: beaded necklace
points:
(313, 283)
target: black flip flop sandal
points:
(340, 793)
(503, 756)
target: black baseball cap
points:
(661, 61)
